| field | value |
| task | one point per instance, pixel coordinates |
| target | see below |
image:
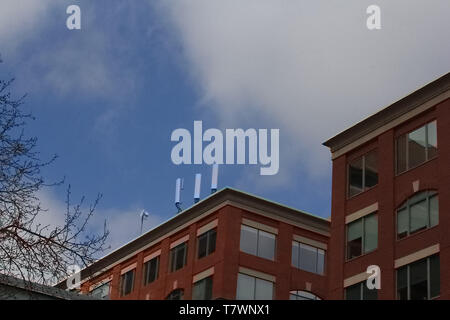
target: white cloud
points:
(310, 66)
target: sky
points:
(107, 97)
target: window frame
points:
(208, 236)
(258, 241)
(107, 297)
(298, 294)
(146, 271)
(363, 237)
(317, 257)
(173, 256)
(407, 205)
(204, 294)
(254, 287)
(408, 278)
(122, 283)
(427, 158)
(363, 158)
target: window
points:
(176, 294)
(308, 258)
(420, 212)
(206, 243)
(362, 173)
(416, 147)
(419, 280)
(151, 270)
(102, 291)
(360, 291)
(202, 289)
(257, 242)
(178, 257)
(302, 295)
(362, 236)
(251, 288)
(127, 283)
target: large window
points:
(302, 295)
(419, 280)
(362, 236)
(251, 288)
(418, 213)
(178, 257)
(202, 289)
(127, 283)
(416, 147)
(151, 270)
(257, 242)
(206, 243)
(307, 257)
(102, 291)
(360, 291)
(362, 173)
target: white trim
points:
(209, 226)
(99, 284)
(259, 226)
(363, 276)
(152, 255)
(392, 124)
(257, 274)
(421, 254)
(179, 241)
(310, 242)
(202, 275)
(361, 213)
(129, 268)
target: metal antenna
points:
(198, 181)
(214, 178)
(144, 215)
(178, 187)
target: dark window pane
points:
(432, 140)
(402, 223)
(320, 261)
(418, 280)
(266, 245)
(353, 292)
(308, 258)
(295, 253)
(416, 147)
(355, 178)
(401, 154)
(370, 233)
(354, 239)
(419, 216)
(178, 256)
(212, 235)
(402, 283)
(249, 240)
(202, 245)
(202, 289)
(151, 270)
(371, 169)
(369, 294)
(435, 276)
(126, 281)
(176, 295)
(434, 211)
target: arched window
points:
(176, 294)
(302, 295)
(419, 212)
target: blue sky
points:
(107, 97)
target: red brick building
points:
(391, 200)
(229, 245)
